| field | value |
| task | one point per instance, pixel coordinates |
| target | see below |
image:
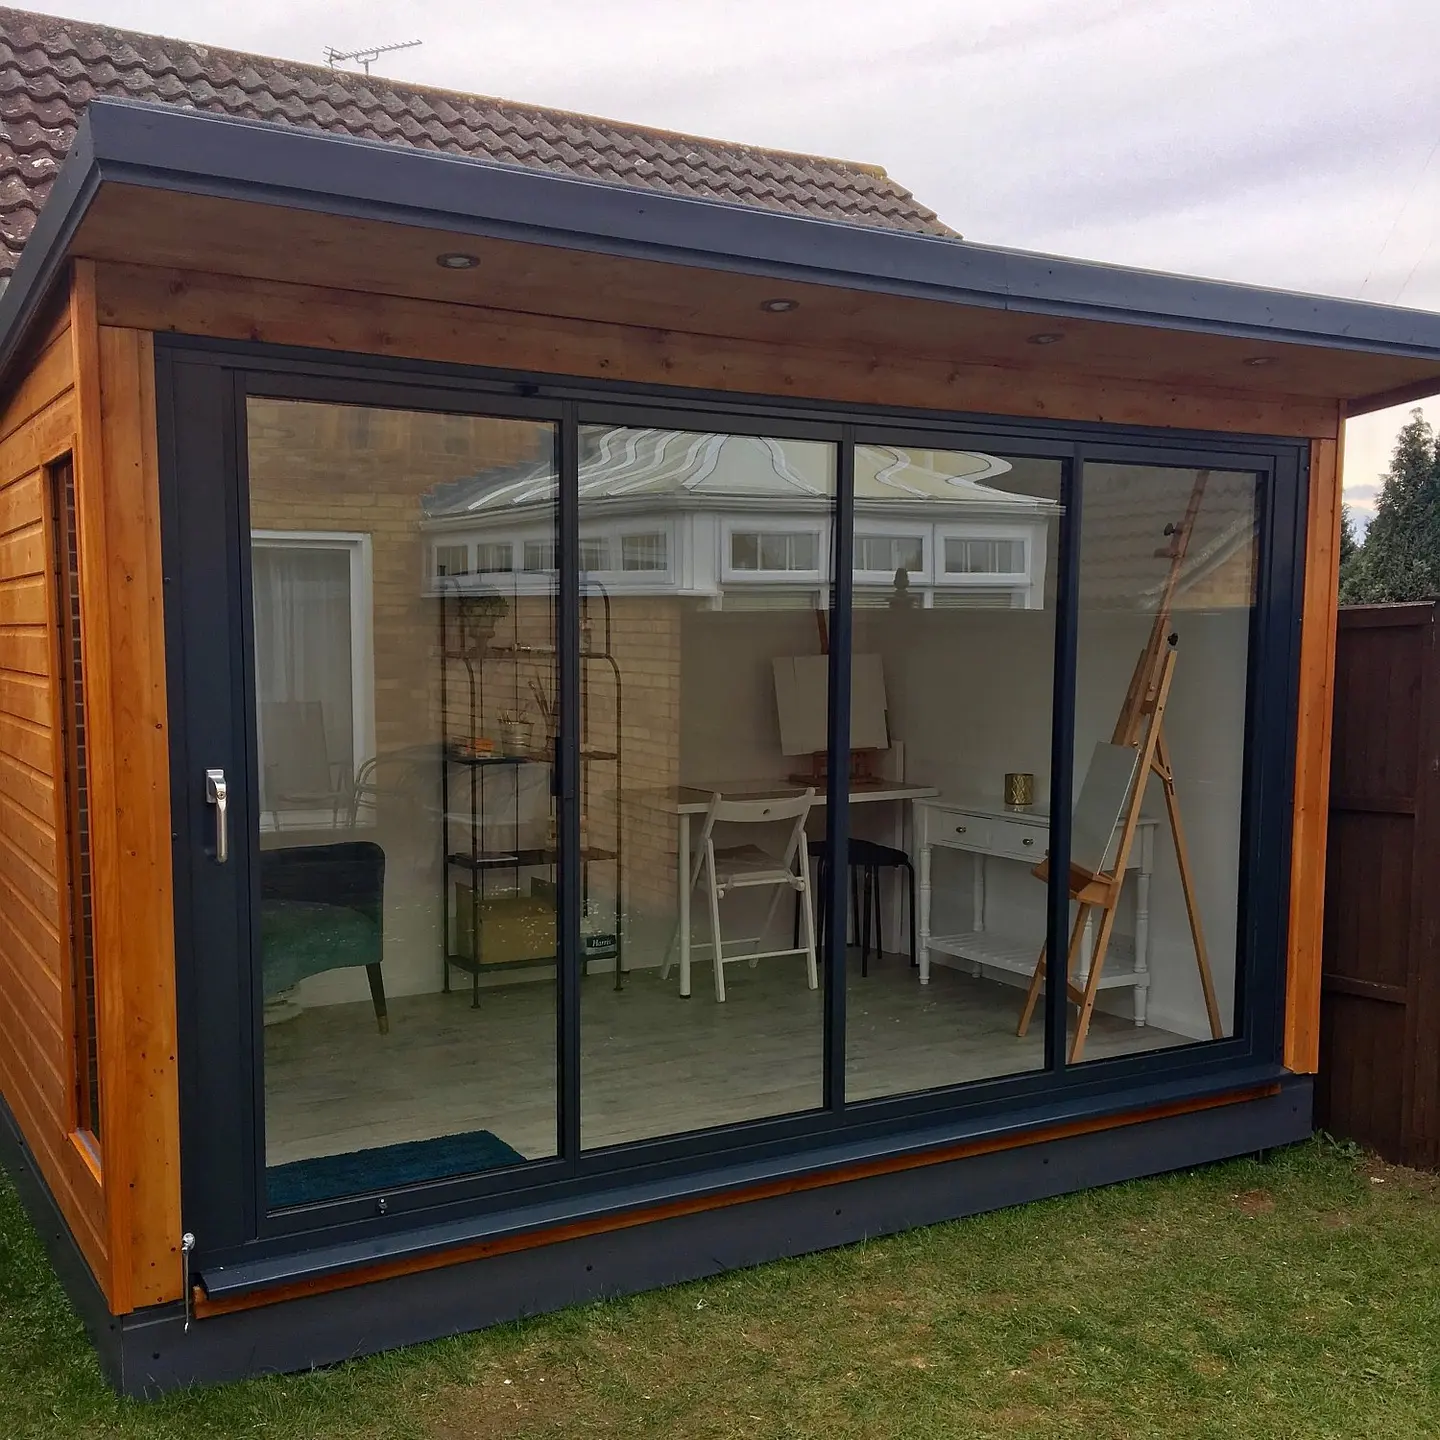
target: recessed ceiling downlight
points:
(781, 305)
(1046, 337)
(457, 260)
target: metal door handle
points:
(217, 795)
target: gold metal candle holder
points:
(1019, 789)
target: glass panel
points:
(775, 551)
(680, 703)
(984, 557)
(1167, 585)
(452, 559)
(405, 823)
(745, 551)
(643, 552)
(947, 918)
(492, 557)
(888, 553)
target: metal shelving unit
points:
(462, 777)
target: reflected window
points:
(452, 560)
(313, 665)
(493, 558)
(984, 557)
(888, 553)
(775, 551)
(645, 552)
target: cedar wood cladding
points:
(36, 1064)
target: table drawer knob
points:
(1028, 840)
(960, 829)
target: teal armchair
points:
(322, 908)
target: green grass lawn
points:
(1298, 1297)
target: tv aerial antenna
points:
(366, 57)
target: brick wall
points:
(348, 468)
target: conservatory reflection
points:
(405, 580)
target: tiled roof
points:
(50, 69)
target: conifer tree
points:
(1400, 559)
(1349, 555)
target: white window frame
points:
(886, 529)
(1027, 584)
(615, 577)
(435, 576)
(653, 532)
(506, 543)
(1018, 535)
(357, 546)
(766, 525)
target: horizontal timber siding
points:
(37, 1061)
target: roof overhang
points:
(193, 169)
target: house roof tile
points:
(51, 68)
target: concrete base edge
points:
(152, 1353)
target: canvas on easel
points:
(1105, 817)
(802, 704)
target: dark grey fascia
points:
(166, 147)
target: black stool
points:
(867, 859)
(870, 858)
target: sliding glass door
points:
(705, 571)
(568, 789)
(1165, 617)
(956, 558)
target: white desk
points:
(989, 831)
(683, 801)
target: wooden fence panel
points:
(1380, 1057)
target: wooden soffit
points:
(203, 233)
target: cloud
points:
(1280, 142)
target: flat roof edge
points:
(44, 256)
(163, 146)
(221, 154)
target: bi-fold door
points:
(481, 691)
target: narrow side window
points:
(74, 783)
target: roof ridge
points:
(327, 73)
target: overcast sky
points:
(1293, 143)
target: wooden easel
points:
(1140, 726)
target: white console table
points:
(991, 832)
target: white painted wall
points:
(970, 695)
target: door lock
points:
(216, 794)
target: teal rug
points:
(387, 1167)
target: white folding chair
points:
(727, 869)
